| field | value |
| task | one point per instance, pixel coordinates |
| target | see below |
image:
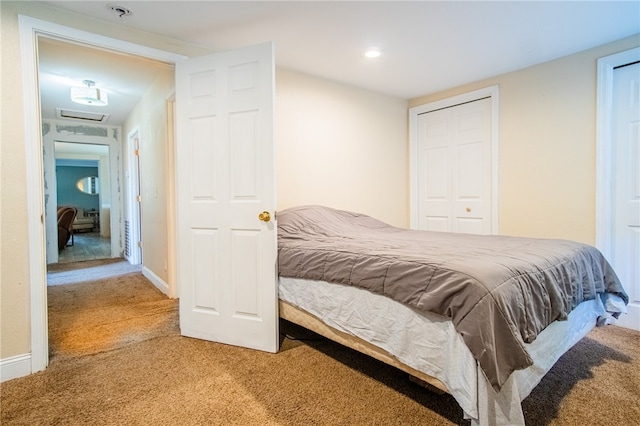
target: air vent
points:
(69, 114)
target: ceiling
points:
(427, 46)
(65, 65)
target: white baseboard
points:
(14, 367)
(632, 318)
(156, 280)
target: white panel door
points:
(454, 168)
(626, 137)
(226, 260)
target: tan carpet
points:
(118, 358)
(95, 317)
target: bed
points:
(480, 317)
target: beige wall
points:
(547, 147)
(150, 118)
(14, 271)
(14, 266)
(324, 131)
(341, 146)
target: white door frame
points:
(133, 190)
(30, 29)
(492, 92)
(605, 148)
(171, 196)
(49, 141)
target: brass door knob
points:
(264, 216)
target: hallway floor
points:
(86, 246)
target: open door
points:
(225, 194)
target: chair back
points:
(66, 216)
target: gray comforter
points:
(498, 291)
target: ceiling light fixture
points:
(89, 95)
(372, 53)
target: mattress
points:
(499, 292)
(430, 344)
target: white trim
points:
(51, 197)
(30, 29)
(156, 280)
(35, 196)
(171, 265)
(52, 30)
(14, 367)
(604, 147)
(133, 190)
(493, 93)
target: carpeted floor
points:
(117, 358)
(92, 270)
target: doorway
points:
(30, 31)
(91, 229)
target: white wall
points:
(105, 196)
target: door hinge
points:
(140, 244)
(136, 153)
(139, 198)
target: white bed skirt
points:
(429, 343)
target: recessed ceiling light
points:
(372, 53)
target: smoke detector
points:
(119, 10)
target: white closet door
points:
(626, 137)
(225, 179)
(454, 168)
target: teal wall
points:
(69, 194)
